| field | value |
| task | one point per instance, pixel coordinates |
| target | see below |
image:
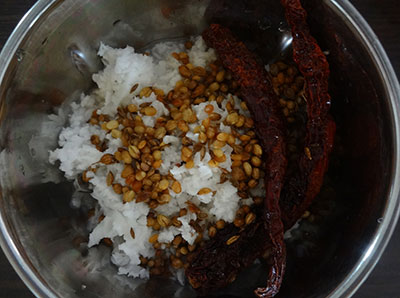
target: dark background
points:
(384, 18)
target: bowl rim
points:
(366, 263)
(368, 260)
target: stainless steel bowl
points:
(49, 59)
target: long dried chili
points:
(217, 263)
(302, 187)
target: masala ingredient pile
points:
(198, 157)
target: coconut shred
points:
(168, 152)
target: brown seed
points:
(306, 214)
(132, 108)
(183, 250)
(153, 239)
(171, 125)
(211, 132)
(126, 157)
(193, 208)
(256, 173)
(220, 224)
(134, 152)
(198, 91)
(110, 179)
(255, 161)
(140, 175)
(160, 132)
(202, 137)
(232, 118)
(236, 164)
(202, 215)
(112, 124)
(176, 222)
(209, 109)
(117, 188)
(187, 152)
(213, 163)
(163, 220)
(127, 171)
(183, 126)
(206, 123)
(308, 153)
(241, 121)
(95, 139)
(243, 105)
(145, 92)
(136, 186)
(132, 233)
(200, 71)
(247, 168)
(250, 217)
(215, 116)
(143, 260)
(157, 154)
(218, 153)
(223, 136)
(139, 129)
(184, 71)
(238, 174)
(163, 185)
(192, 247)
(107, 242)
(257, 150)
(177, 241)
(218, 144)
(214, 87)
(176, 187)
(133, 89)
(248, 148)
(238, 222)
(164, 199)
(107, 159)
(153, 205)
(224, 88)
(220, 76)
(245, 209)
(232, 240)
(142, 144)
(212, 231)
(245, 138)
(203, 191)
(128, 196)
(212, 97)
(189, 164)
(150, 263)
(183, 56)
(258, 200)
(116, 134)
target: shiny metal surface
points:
(48, 61)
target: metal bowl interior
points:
(49, 60)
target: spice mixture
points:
(200, 159)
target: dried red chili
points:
(217, 264)
(302, 187)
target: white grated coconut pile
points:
(76, 154)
